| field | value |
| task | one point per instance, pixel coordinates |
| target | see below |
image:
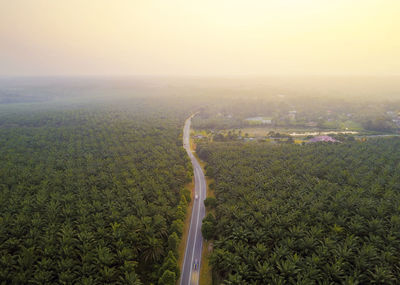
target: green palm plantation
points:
(312, 214)
(90, 195)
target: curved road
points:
(191, 264)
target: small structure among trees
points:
(322, 139)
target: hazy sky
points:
(199, 37)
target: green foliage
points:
(177, 227)
(187, 193)
(210, 202)
(90, 195)
(168, 278)
(379, 124)
(173, 242)
(208, 226)
(170, 264)
(180, 213)
(313, 214)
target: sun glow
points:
(177, 37)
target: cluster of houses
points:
(322, 139)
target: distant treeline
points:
(301, 112)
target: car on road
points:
(196, 264)
(196, 196)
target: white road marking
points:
(198, 173)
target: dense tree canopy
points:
(91, 195)
(314, 214)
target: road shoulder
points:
(186, 227)
(205, 268)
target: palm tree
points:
(104, 256)
(131, 278)
(153, 250)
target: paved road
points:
(191, 264)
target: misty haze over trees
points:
(200, 142)
(93, 179)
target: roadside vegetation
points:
(314, 214)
